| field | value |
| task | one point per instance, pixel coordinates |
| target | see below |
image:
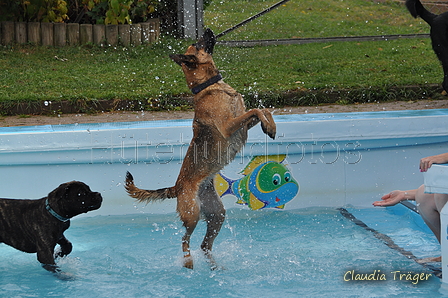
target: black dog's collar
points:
(52, 212)
(200, 87)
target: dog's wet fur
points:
(220, 128)
(38, 225)
(438, 33)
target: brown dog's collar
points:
(54, 213)
(211, 81)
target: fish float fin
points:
(281, 207)
(255, 203)
(260, 159)
(223, 185)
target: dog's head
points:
(73, 198)
(197, 62)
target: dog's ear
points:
(207, 42)
(189, 61)
(60, 192)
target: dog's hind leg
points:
(189, 213)
(214, 212)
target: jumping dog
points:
(220, 128)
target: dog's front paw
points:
(63, 250)
(269, 126)
(270, 129)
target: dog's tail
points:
(416, 9)
(143, 195)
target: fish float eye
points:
(287, 176)
(276, 179)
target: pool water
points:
(267, 253)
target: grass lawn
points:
(311, 18)
(270, 76)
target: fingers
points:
(425, 164)
(380, 204)
(385, 201)
(390, 199)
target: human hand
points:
(427, 162)
(391, 199)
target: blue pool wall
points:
(338, 159)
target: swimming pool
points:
(308, 252)
(127, 250)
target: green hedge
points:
(86, 11)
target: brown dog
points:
(38, 225)
(220, 128)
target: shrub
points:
(86, 11)
(34, 10)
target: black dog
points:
(38, 225)
(439, 33)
